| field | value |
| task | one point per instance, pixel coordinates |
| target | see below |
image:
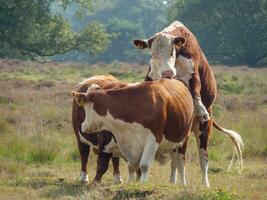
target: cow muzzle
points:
(167, 74)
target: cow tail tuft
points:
(238, 142)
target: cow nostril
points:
(167, 74)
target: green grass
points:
(38, 152)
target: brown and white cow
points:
(145, 118)
(96, 141)
(176, 54)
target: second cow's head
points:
(164, 48)
(91, 122)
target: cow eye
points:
(171, 53)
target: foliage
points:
(230, 32)
(125, 20)
(29, 28)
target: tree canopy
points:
(125, 21)
(31, 29)
(230, 32)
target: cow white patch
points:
(112, 147)
(163, 56)
(133, 84)
(117, 179)
(95, 78)
(173, 176)
(148, 155)
(85, 141)
(184, 69)
(181, 168)
(200, 110)
(165, 150)
(204, 167)
(93, 87)
(83, 177)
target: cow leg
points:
(173, 177)
(181, 162)
(138, 175)
(202, 138)
(148, 155)
(102, 165)
(131, 172)
(84, 150)
(116, 170)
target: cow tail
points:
(238, 142)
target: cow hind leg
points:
(173, 176)
(181, 162)
(116, 170)
(147, 158)
(84, 150)
(202, 137)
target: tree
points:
(124, 20)
(230, 32)
(29, 28)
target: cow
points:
(176, 53)
(145, 118)
(96, 141)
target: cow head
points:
(91, 121)
(163, 49)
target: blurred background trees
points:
(230, 32)
(31, 29)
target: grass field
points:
(39, 158)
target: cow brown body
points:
(192, 67)
(145, 118)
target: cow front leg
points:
(84, 150)
(148, 155)
(131, 173)
(202, 141)
(201, 110)
(102, 165)
(181, 162)
(116, 170)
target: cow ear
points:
(143, 43)
(80, 98)
(179, 41)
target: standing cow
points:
(96, 141)
(145, 118)
(175, 53)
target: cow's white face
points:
(163, 54)
(92, 122)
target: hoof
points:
(117, 179)
(84, 178)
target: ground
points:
(39, 158)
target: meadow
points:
(39, 157)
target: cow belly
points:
(131, 138)
(166, 147)
(112, 147)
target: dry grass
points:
(39, 157)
